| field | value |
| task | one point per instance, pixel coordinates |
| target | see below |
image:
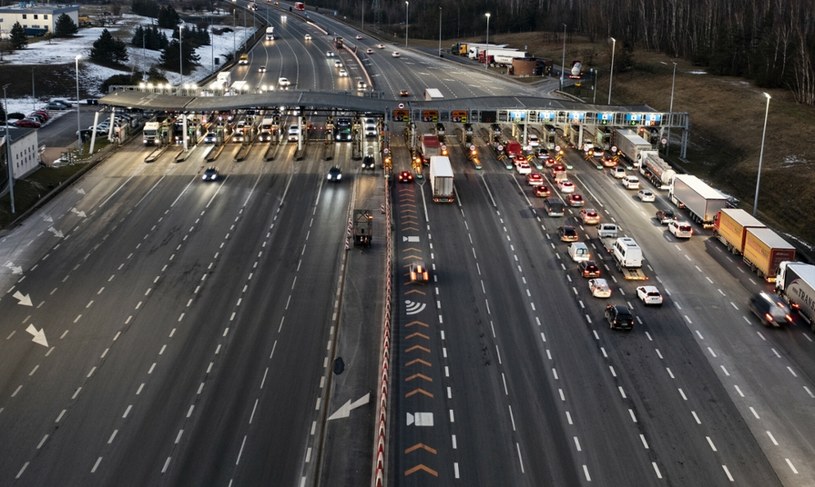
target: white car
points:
(395, 54)
(618, 172)
(380, 46)
(646, 196)
(337, 63)
(533, 140)
(343, 72)
(680, 229)
(359, 37)
(329, 53)
(294, 133)
(649, 295)
(283, 82)
(307, 37)
(565, 186)
(369, 51)
(599, 288)
(631, 182)
(523, 167)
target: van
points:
(553, 207)
(579, 252)
(631, 182)
(608, 230)
(627, 253)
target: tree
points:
(168, 18)
(108, 50)
(18, 37)
(169, 58)
(65, 26)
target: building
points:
(25, 155)
(36, 19)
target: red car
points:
(589, 216)
(543, 191)
(405, 177)
(534, 179)
(28, 123)
(576, 200)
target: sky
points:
(64, 51)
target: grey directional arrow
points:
(39, 335)
(56, 232)
(80, 214)
(48, 218)
(14, 269)
(345, 410)
(22, 299)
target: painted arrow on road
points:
(48, 219)
(22, 299)
(80, 191)
(80, 214)
(56, 232)
(14, 269)
(410, 238)
(345, 410)
(39, 335)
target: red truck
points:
(431, 146)
(514, 150)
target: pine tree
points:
(108, 50)
(168, 18)
(169, 58)
(65, 26)
(18, 37)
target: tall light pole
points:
(362, 28)
(407, 16)
(611, 74)
(487, 15)
(143, 54)
(563, 66)
(670, 109)
(8, 151)
(78, 125)
(180, 58)
(439, 30)
(761, 153)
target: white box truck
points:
(702, 201)
(432, 94)
(795, 282)
(150, 133)
(441, 179)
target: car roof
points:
(648, 289)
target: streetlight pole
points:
(362, 28)
(78, 124)
(488, 15)
(407, 16)
(761, 152)
(611, 74)
(439, 30)
(8, 152)
(563, 65)
(670, 111)
(180, 57)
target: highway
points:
(194, 327)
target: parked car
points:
(28, 123)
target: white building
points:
(25, 154)
(35, 18)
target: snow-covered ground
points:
(64, 51)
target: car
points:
(534, 179)
(665, 216)
(329, 53)
(468, 128)
(380, 46)
(370, 130)
(589, 216)
(27, 123)
(599, 288)
(576, 200)
(418, 272)
(307, 37)
(439, 128)
(649, 295)
(16, 116)
(38, 117)
(541, 153)
(496, 129)
(43, 113)
(609, 161)
(337, 63)
(588, 269)
(680, 229)
(630, 182)
(597, 152)
(210, 174)
(646, 196)
(543, 191)
(565, 186)
(618, 172)
(619, 317)
(359, 37)
(361, 85)
(57, 105)
(294, 133)
(404, 93)
(262, 69)
(210, 138)
(369, 51)
(771, 309)
(567, 233)
(405, 177)
(343, 72)
(395, 54)
(533, 140)
(334, 174)
(283, 82)
(368, 162)
(522, 167)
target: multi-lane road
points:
(194, 328)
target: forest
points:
(771, 42)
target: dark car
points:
(404, 93)
(405, 177)
(468, 128)
(496, 129)
(770, 309)
(210, 138)
(619, 317)
(368, 162)
(334, 174)
(567, 233)
(16, 116)
(211, 174)
(589, 269)
(28, 123)
(665, 217)
(439, 128)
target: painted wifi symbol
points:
(412, 308)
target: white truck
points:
(150, 133)
(627, 256)
(503, 57)
(270, 33)
(432, 94)
(795, 282)
(702, 201)
(239, 87)
(441, 179)
(266, 130)
(222, 81)
(473, 48)
(630, 145)
(656, 170)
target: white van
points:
(579, 252)
(627, 253)
(631, 182)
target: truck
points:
(363, 227)
(630, 145)
(150, 133)
(301, 6)
(501, 56)
(702, 201)
(764, 251)
(431, 146)
(474, 48)
(266, 129)
(795, 282)
(432, 94)
(656, 170)
(730, 227)
(223, 80)
(441, 179)
(627, 256)
(514, 150)
(270, 33)
(239, 87)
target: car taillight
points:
(768, 317)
